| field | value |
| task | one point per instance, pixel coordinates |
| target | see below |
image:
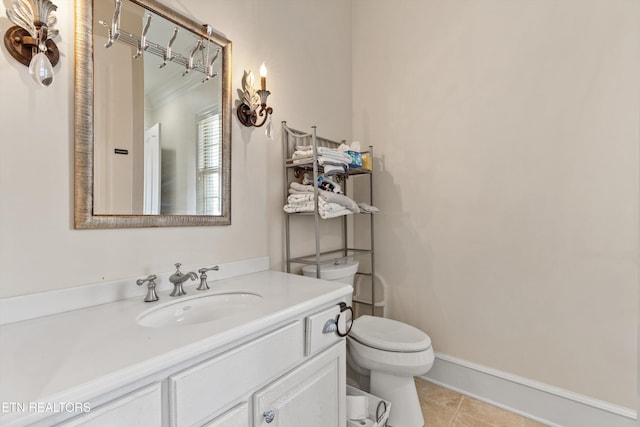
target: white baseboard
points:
(538, 401)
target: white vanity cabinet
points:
(141, 408)
(282, 358)
(204, 389)
(311, 395)
(289, 376)
(306, 392)
(236, 417)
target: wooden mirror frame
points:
(84, 218)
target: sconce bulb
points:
(41, 69)
(263, 77)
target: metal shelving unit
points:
(292, 170)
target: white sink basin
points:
(198, 309)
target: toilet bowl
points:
(383, 354)
(390, 354)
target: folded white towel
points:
(300, 198)
(364, 207)
(302, 188)
(334, 213)
(320, 149)
(298, 208)
(329, 204)
(302, 154)
(325, 154)
(325, 197)
(322, 160)
(335, 157)
(324, 214)
(332, 169)
(340, 199)
(304, 147)
(326, 207)
(332, 210)
(302, 157)
(304, 161)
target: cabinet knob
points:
(269, 416)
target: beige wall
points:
(507, 170)
(507, 174)
(40, 250)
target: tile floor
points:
(442, 407)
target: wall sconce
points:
(253, 110)
(29, 41)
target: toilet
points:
(341, 270)
(391, 353)
(384, 355)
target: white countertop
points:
(81, 352)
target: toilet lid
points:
(388, 334)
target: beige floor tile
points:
(531, 423)
(489, 414)
(442, 407)
(462, 420)
(439, 395)
(436, 415)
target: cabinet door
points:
(201, 391)
(236, 417)
(141, 408)
(312, 395)
(318, 337)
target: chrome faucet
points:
(151, 288)
(178, 278)
(203, 277)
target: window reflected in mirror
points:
(209, 155)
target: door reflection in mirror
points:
(152, 168)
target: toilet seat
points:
(389, 335)
(399, 363)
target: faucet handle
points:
(178, 264)
(151, 288)
(203, 286)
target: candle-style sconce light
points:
(253, 110)
(29, 41)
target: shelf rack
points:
(292, 170)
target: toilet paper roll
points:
(360, 423)
(357, 407)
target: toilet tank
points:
(341, 270)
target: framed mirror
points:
(152, 118)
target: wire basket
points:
(378, 410)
